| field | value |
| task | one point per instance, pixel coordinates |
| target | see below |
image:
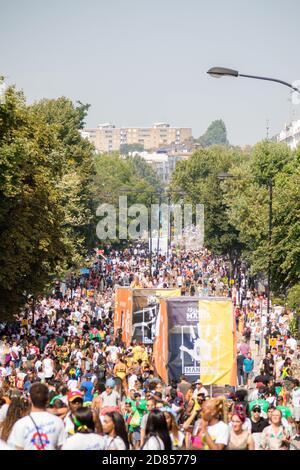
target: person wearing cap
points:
(75, 401)
(261, 401)
(109, 399)
(258, 423)
(199, 389)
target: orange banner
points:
(123, 313)
(160, 349)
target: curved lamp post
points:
(218, 72)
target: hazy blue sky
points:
(142, 61)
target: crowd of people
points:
(68, 382)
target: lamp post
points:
(224, 176)
(218, 72)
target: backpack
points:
(136, 419)
(100, 359)
(247, 332)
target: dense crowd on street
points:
(68, 382)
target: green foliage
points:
(198, 176)
(146, 172)
(125, 149)
(216, 134)
(45, 169)
(72, 157)
(237, 209)
(293, 298)
(116, 176)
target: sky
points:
(137, 62)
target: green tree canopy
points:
(45, 170)
(125, 149)
(216, 134)
(198, 177)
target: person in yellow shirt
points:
(145, 357)
(138, 352)
(129, 360)
(120, 373)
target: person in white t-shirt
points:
(3, 374)
(113, 351)
(85, 437)
(296, 401)
(48, 367)
(291, 343)
(39, 430)
(72, 330)
(3, 412)
(157, 435)
(116, 434)
(132, 378)
(199, 389)
(4, 446)
(213, 431)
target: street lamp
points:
(224, 176)
(218, 72)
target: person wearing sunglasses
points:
(258, 423)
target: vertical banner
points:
(183, 354)
(201, 340)
(216, 342)
(123, 313)
(145, 308)
(160, 349)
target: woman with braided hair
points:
(213, 432)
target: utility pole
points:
(269, 258)
(150, 250)
(158, 234)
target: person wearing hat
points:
(75, 401)
(258, 423)
(199, 389)
(110, 399)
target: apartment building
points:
(108, 138)
(290, 135)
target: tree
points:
(31, 231)
(248, 210)
(293, 302)
(198, 177)
(125, 149)
(145, 171)
(215, 134)
(72, 159)
(46, 217)
(116, 176)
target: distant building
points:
(290, 135)
(163, 163)
(108, 138)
